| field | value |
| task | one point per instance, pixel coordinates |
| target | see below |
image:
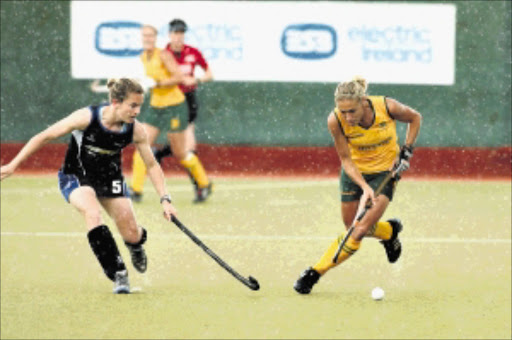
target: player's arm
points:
(412, 117)
(406, 114)
(341, 145)
(155, 172)
(192, 81)
(207, 76)
(172, 66)
(77, 120)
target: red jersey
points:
(187, 61)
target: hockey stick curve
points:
(250, 281)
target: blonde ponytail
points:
(354, 89)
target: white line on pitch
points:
(264, 237)
(184, 188)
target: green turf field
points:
(452, 281)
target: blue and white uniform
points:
(93, 158)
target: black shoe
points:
(139, 258)
(138, 254)
(203, 193)
(134, 195)
(393, 246)
(306, 281)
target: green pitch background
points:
(452, 281)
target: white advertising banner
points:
(275, 41)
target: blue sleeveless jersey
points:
(94, 154)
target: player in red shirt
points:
(188, 58)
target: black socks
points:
(104, 247)
(142, 239)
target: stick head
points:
(254, 285)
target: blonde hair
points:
(354, 89)
(119, 89)
(153, 28)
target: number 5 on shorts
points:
(117, 186)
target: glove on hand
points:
(403, 159)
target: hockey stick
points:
(97, 88)
(250, 282)
(360, 216)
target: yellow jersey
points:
(373, 149)
(155, 68)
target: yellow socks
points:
(381, 230)
(191, 163)
(196, 169)
(325, 263)
(139, 173)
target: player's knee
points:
(93, 217)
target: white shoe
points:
(121, 284)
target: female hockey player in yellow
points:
(364, 132)
(167, 112)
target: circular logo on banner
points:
(119, 38)
(309, 41)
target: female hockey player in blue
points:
(91, 176)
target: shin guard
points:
(105, 248)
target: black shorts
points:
(193, 105)
(111, 187)
(350, 191)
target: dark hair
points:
(177, 25)
(119, 89)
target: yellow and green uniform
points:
(155, 68)
(374, 151)
(167, 110)
(169, 113)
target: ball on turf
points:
(377, 293)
